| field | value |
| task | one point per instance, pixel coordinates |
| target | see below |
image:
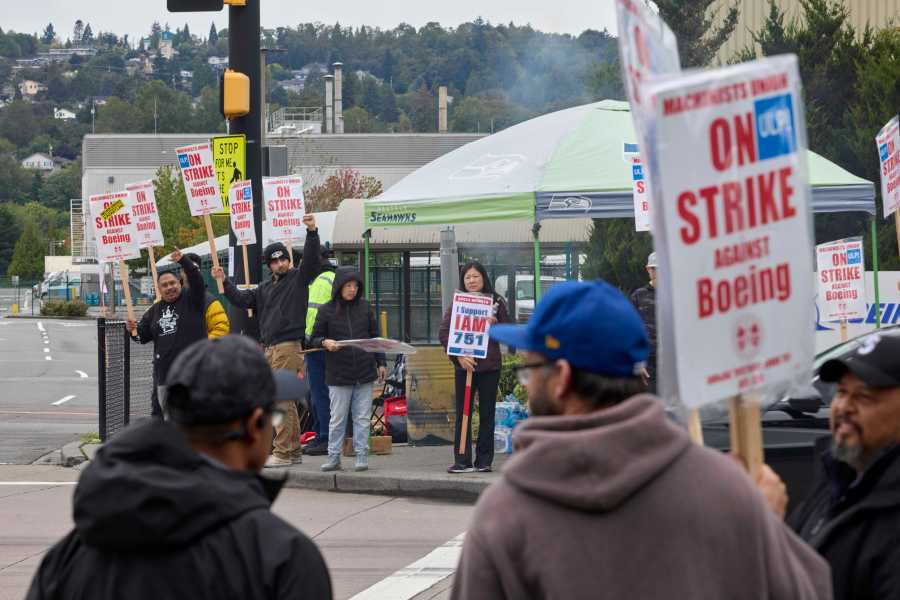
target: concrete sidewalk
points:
(416, 471)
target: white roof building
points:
(38, 162)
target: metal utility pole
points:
(449, 267)
(244, 57)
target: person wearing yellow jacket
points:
(217, 323)
(319, 294)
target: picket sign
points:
(285, 207)
(116, 235)
(647, 48)
(732, 222)
(201, 186)
(888, 143)
(142, 196)
(841, 276)
(240, 200)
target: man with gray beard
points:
(852, 516)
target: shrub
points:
(508, 383)
(61, 308)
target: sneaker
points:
(317, 449)
(276, 461)
(483, 469)
(362, 462)
(459, 469)
(333, 464)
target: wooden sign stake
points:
(213, 253)
(290, 249)
(123, 274)
(695, 428)
(467, 409)
(246, 275)
(897, 227)
(844, 329)
(746, 433)
(153, 272)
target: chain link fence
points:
(125, 375)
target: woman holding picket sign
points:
(485, 376)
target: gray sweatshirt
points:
(620, 504)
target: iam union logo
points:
(747, 336)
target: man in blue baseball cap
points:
(602, 484)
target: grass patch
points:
(90, 438)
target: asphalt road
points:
(366, 540)
(48, 386)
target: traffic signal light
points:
(234, 94)
(194, 5)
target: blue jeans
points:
(346, 399)
(321, 403)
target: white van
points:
(525, 292)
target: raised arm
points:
(238, 297)
(196, 286)
(309, 265)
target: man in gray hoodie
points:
(604, 496)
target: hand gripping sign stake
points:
(213, 253)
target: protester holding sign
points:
(215, 317)
(349, 372)
(281, 304)
(605, 496)
(485, 369)
(172, 324)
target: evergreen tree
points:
(77, 32)
(692, 21)
(213, 35)
(28, 255)
(9, 233)
(49, 34)
(87, 38)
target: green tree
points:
(14, 180)
(28, 256)
(49, 35)
(617, 253)
(422, 110)
(357, 120)
(18, 123)
(118, 116)
(213, 35)
(697, 26)
(87, 38)
(9, 233)
(62, 186)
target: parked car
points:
(525, 292)
(791, 425)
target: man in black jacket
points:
(177, 509)
(644, 300)
(852, 516)
(281, 304)
(172, 324)
(349, 372)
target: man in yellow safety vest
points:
(319, 294)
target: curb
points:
(69, 455)
(457, 489)
(50, 318)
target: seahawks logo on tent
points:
(570, 203)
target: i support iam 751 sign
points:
(201, 184)
(470, 321)
(728, 157)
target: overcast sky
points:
(135, 16)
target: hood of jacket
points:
(148, 489)
(341, 276)
(595, 462)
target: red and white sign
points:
(114, 228)
(285, 207)
(142, 200)
(732, 223)
(201, 185)
(241, 201)
(888, 142)
(841, 275)
(470, 322)
(639, 192)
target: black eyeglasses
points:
(523, 372)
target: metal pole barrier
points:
(126, 375)
(875, 272)
(101, 375)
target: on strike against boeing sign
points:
(728, 155)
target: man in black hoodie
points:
(172, 324)
(281, 304)
(177, 509)
(852, 515)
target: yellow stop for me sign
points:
(230, 159)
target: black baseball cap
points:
(875, 360)
(275, 250)
(223, 379)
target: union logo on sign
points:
(747, 337)
(775, 131)
(183, 161)
(246, 192)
